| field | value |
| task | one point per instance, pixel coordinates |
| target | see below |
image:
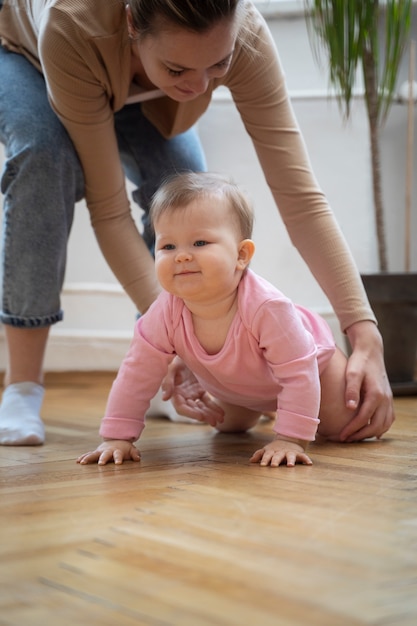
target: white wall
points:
(99, 317)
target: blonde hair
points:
(178, 191)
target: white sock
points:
(165, 408)
(20, 421)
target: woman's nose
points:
(198, 84)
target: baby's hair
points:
(178, 191)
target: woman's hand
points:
(282, 451)
(188, 397)
(367, 385)
(117, 450)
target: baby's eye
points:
(168, 246)
(200, 242)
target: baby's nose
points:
(183, 255)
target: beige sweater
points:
(82, 48)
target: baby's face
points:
(197, 250)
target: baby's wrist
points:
(132, 440)
(300, 442)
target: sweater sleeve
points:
(291, 354)
(257, 84)
(139, 377)
(79, 92)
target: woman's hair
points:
(178, 191)
(196, 15)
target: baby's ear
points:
(246, 251)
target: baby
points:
(248, 345)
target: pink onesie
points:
(271, 360)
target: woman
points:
(66, 67)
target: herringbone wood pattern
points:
(196, 536)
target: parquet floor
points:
(196, 536)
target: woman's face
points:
(181, 62)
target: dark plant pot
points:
(393, 298)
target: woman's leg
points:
(41, 181)
(334, 415)
(20, 422)
(148, 158)
(26, 350)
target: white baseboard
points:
(81, 350)
(87, 350)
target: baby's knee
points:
(331, 436)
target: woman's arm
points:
(367, 384)
(258, 87)
(80, 88)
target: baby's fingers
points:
(89, 457)
(275, 458)
(266, 456)
(111, 455)
(293, 458)
(108, 452)
(135, 454)
(118, 456)
(257, 456)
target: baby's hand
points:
(112, 450)
(281, 451)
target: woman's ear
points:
(246, 251)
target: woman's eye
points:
(174, 72)
(200, 242)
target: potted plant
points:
(372, 36)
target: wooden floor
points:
(195, 535)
